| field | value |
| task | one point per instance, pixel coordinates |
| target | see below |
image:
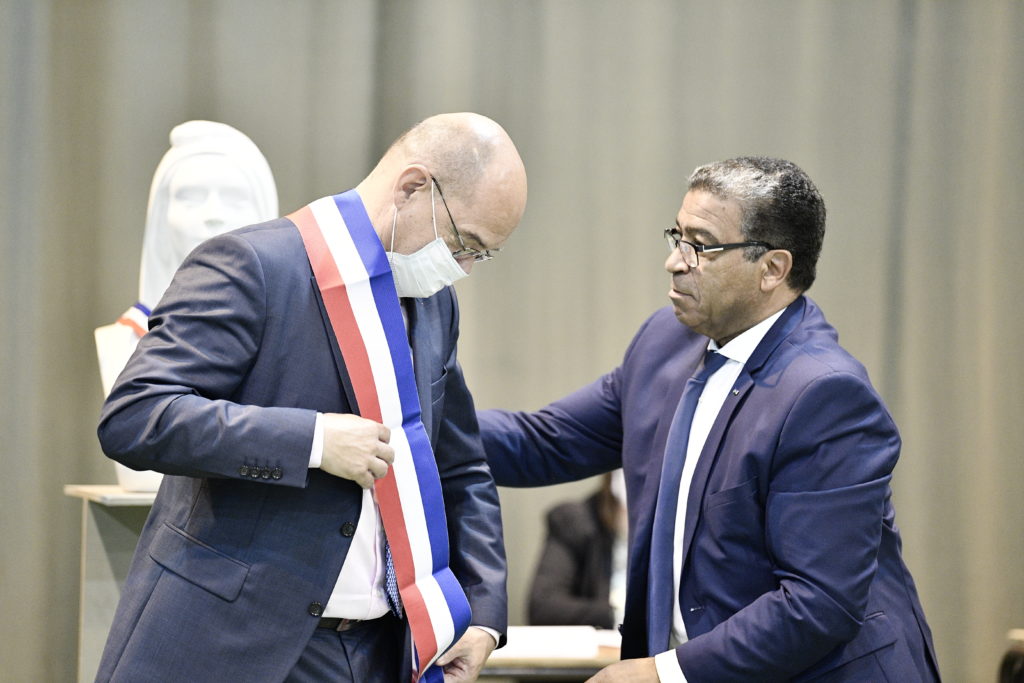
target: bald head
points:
(458, 148)
(471, 157)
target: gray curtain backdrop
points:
(906, 113)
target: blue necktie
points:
(391, 583)
(661, 579)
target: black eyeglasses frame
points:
(675, 241)
(463, 251)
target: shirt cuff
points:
(668, 667)
(489, 631)
(316, 453)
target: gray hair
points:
(779, 204)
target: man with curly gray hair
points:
(757, 458)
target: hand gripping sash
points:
(358, 291)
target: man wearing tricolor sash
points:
(326, 511)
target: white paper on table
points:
(549, 642)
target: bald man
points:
(267, 391)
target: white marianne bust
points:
(212, 179)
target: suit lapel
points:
(679, 368)
(421, 345)
(708, 456)
(339, 362)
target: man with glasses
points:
(327, 512)
(757, 459)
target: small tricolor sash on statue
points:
(358, 291)
(137, 318)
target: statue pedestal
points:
(112, 520)
(114, 346)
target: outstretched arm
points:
(571, 439)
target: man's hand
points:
(462, 663)
(631, 670)
(356, 448)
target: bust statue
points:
(212, 179)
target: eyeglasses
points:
(463, 251)
(690, 250)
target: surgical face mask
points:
(429, 269)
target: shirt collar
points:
(741, 347)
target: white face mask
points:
(429, 269)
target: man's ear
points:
(411, 180)
(777, 265)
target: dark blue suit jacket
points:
(792, 566)
(244, 542)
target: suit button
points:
(316, 609)
(276, 473)
(348, 529)
(243, 471)
(254, 472)
(265, 473)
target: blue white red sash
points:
(137, 318)
(358, 291)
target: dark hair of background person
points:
(1011, 670)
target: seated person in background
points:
(581, 575)
(1011, 669)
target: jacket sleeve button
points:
(265, 473)
(276, 473)
(254, 472)
(243, 471)
(348, 529)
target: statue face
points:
(208, 195)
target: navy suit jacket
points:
(792, 564)
(244, 542)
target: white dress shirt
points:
(359, 592)
(712, 398)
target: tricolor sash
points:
(137, 318)
(358, 291)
